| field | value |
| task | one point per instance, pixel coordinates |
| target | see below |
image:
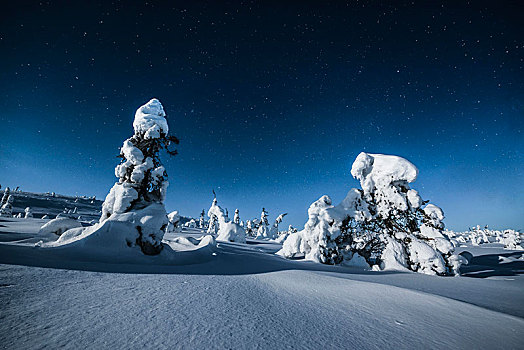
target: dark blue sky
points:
(272, 102)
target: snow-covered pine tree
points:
(263, 228)
(202, 221)
(249, 228)
(385, 223)
(236, 218)
(212, 227)
(142, 180)
(216, 217)
(273, 233)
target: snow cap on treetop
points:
(381, 169)
(150, 120)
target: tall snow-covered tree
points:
(142, 180)
(386, 223)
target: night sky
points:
(272, 101)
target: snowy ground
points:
(51, 205)
(244, 296)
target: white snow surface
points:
(58, 226)
(244, 296)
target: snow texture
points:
(58, 226)
(150, 120)
(232, 232)
(339, 305)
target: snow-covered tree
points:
(5, 196)
(7, 208)
(511, 240)
(273, 232)
(191, 224)
(202, 221)
(28, 213)
(216, 217)
(236, 218)
(249, 228)
(212, 227)
(174, 221)
(142, 180)
(263, 227)
(385, 223)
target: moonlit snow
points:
(373, 271)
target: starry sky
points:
(272, 101)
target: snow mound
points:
(58, 226)
(150, 120)
(231, 232)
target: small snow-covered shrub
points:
(386, 223)
(191, 224)
(174, 221)
(512, 240)
(58, 226)
(232, 232)
(28, 213)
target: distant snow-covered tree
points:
(7, 191)
(249, 228)
(202, 221)
(7, 208)
(274, 229)
(28, 213)
(142, 180)
(174, 221)
(216, 217)
(236, 218)
(263, 228)
(385, 223)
